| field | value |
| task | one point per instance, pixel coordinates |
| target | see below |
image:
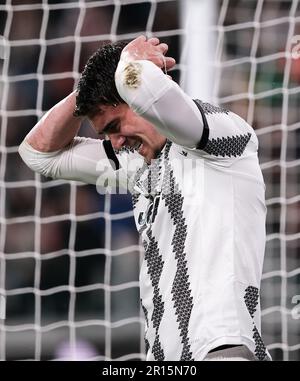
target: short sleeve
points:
(226, 136)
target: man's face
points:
(125, 128)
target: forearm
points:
(57, 128)
(151, 94)
(84, 160)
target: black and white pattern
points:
(229, 146)
(182, 251)
(135, 198)
(145, 313)
(135, 195)
(251, 301)
(155, 266)
(260, 348)
(125, 149)
(154, 175)
(183, 300)
(211, 109)
(147, 345)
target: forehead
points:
(106, 115)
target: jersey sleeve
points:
(211, 132)
(154, 96)
(91, 161)
(226, 136)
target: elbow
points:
(38, 141)
(23, 152)
(34, 159)
(26, 153)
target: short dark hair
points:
(97, 82)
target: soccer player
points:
(198, 197)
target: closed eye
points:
(112, 127)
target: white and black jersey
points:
(200, 210)
(204, 248)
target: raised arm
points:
(52, 149)
(154, 96)
(57, 128)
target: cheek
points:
(130, 128)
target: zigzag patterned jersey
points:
(201, 216)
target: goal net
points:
(69, 257)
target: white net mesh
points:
(69, 257)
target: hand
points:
(152, 50)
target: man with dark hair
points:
(198, 197)
(97, 83)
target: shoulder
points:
(227, 134)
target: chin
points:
(151, 156)
(149, 153)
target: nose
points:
(117, 141)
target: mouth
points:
(138, 146)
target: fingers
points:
(152, 50)
(165, 63)
(161, 50)
(153, 41)
(162, 47)
(140, 38)
(169, 62)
